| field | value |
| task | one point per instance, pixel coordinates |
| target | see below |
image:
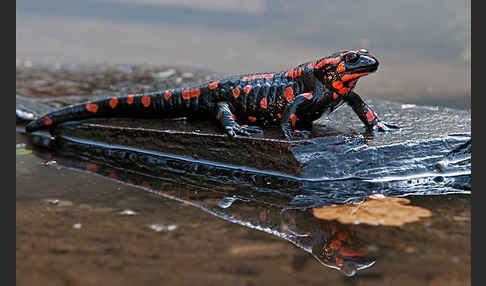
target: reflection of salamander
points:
(289, 98)
(332, 244)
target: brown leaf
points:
(375, 210)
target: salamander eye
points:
(351, 57)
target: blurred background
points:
(424, 47)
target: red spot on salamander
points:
(289, 94)
(190, 93)
(236, 92)
(370, 115)
(343, 90)
(353, 76)
(307, 95)
(294, 73)
(247, 89)
(328, 61)
(337, 84)
(213, 85)
(233, 116)
(113, 102)
(339, 261)
(195, 93)
(167, 95)
(341, 67)
(263, 103)
(299, 71)
(218, 116)
(130, 98)
(186, 94)
(252, 118)
(336, 244)
(293, 119)
(146, 101)
(345, 252)
(47, 121)
(312, 65)
(279, 115)
(92, 107)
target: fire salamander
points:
(290, 98)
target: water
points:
(237, 239)
(72, 222)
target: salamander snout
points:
(360, 61)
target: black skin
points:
(322, 100)
(288, 98)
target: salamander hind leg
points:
(228, 120)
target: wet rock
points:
(337, 149)
(431, 153)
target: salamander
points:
(245, 103)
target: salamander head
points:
(342, 70)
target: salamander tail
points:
(119, 106)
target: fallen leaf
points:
(375, 210)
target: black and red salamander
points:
(289, 98)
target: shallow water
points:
(79, 214)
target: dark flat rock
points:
(337, 148)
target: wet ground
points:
(77, 231)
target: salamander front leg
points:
(367, 115)
(300, 104)
(228, 120)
